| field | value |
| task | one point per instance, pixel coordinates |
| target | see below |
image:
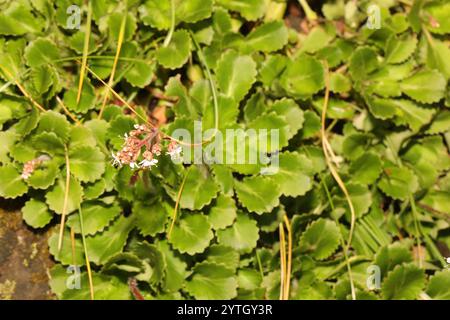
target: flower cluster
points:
(147, 139)
(30, 166)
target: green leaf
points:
(438, 17)
(392, 255)
(115, 23)
(42, 79)
(12, 184)
(48, 142)
(111, 241)
(440, 123)
(303, 77)
(96, 217)
(18, 20)
(235, 74)
(264, 125)
(199, 188)
(212, 282)
(223, 213)
(316, 39)
(65, 255)
(176, 54)
(398, 183)
(52, 121)
(405, 112)
(438, 285)
(366, 169)
(150, 218)
(192, 234)
(405, 282)
(258, 194)
(400, 49)
(291, 113)
(362, 62)
(141, 74)
(271, 36)
(427, 86)
(249, 9)
(44, 176)
(87, 163)
(241, 235)
(87, 101)
(8, 139)
(153, 260)
(157, 13)
(105, 288)
(55, 196)
(36, 213)
(438, 53)
(320, 239)
(339, 83)
(175, 271)
(41, 51)
(292, 175)
(223, 255)
(184, 106)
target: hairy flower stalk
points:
(140, 148)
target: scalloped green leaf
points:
(438, 285)
(55, 196)
(399, 49)
(175, 272)
(366, 169)
(249, 9)
(18, 20)
(36, 213)
(398, 183)
(87, 100)
(65, 255)
(199, 188)
(303, 77)
(212, 282)
(96, 217)
(223, 213)
(257, 194)
(426, 86)
(405, 282)
(44, 176)
(12, 184)
(320, 239)
(157, 13)
(52, 121)
(192, 234)
(87, 163)
(111, 241)
(41, 51)
(293, 174)
(176, 54)
(150, 218)
(271, 36)
(235, 74)
(242, 235)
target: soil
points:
(24, 258)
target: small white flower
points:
(116, 161)
(448, 260)
(25, 176)
(175, 153)
(134, 165)
(148, 163)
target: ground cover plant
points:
(92, 94)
